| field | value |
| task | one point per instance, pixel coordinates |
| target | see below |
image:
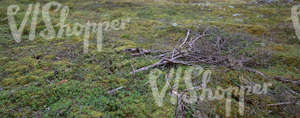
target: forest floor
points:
(55, 78)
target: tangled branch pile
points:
(208, 47)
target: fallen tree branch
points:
(211, 49)
(286, 80)
(140, 51)
(256, 71)
(161, 62)
(186, 39)
(283, 103)
(114, 90)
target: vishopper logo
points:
(295, 12)
(206, 93)
(64, 29)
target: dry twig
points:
(114, 90)
(211, 49)
(283, 103)
(286, 80)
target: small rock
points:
(260, 16)
(174, 24)
(238, 20)
(236, 15)
(231, 6)
(270, 1)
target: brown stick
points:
(114, 90)
(255, 71)
(161, 62)
(282, 103)
(186, 38)
(286, 80)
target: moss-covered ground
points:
(54, 78)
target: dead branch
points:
(138, 51)
(286, 80)
(282, 103)
(186, 38)
(256, 71)
(161, 62)
(211, 49)
(114, 90)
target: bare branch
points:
(114, 90)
